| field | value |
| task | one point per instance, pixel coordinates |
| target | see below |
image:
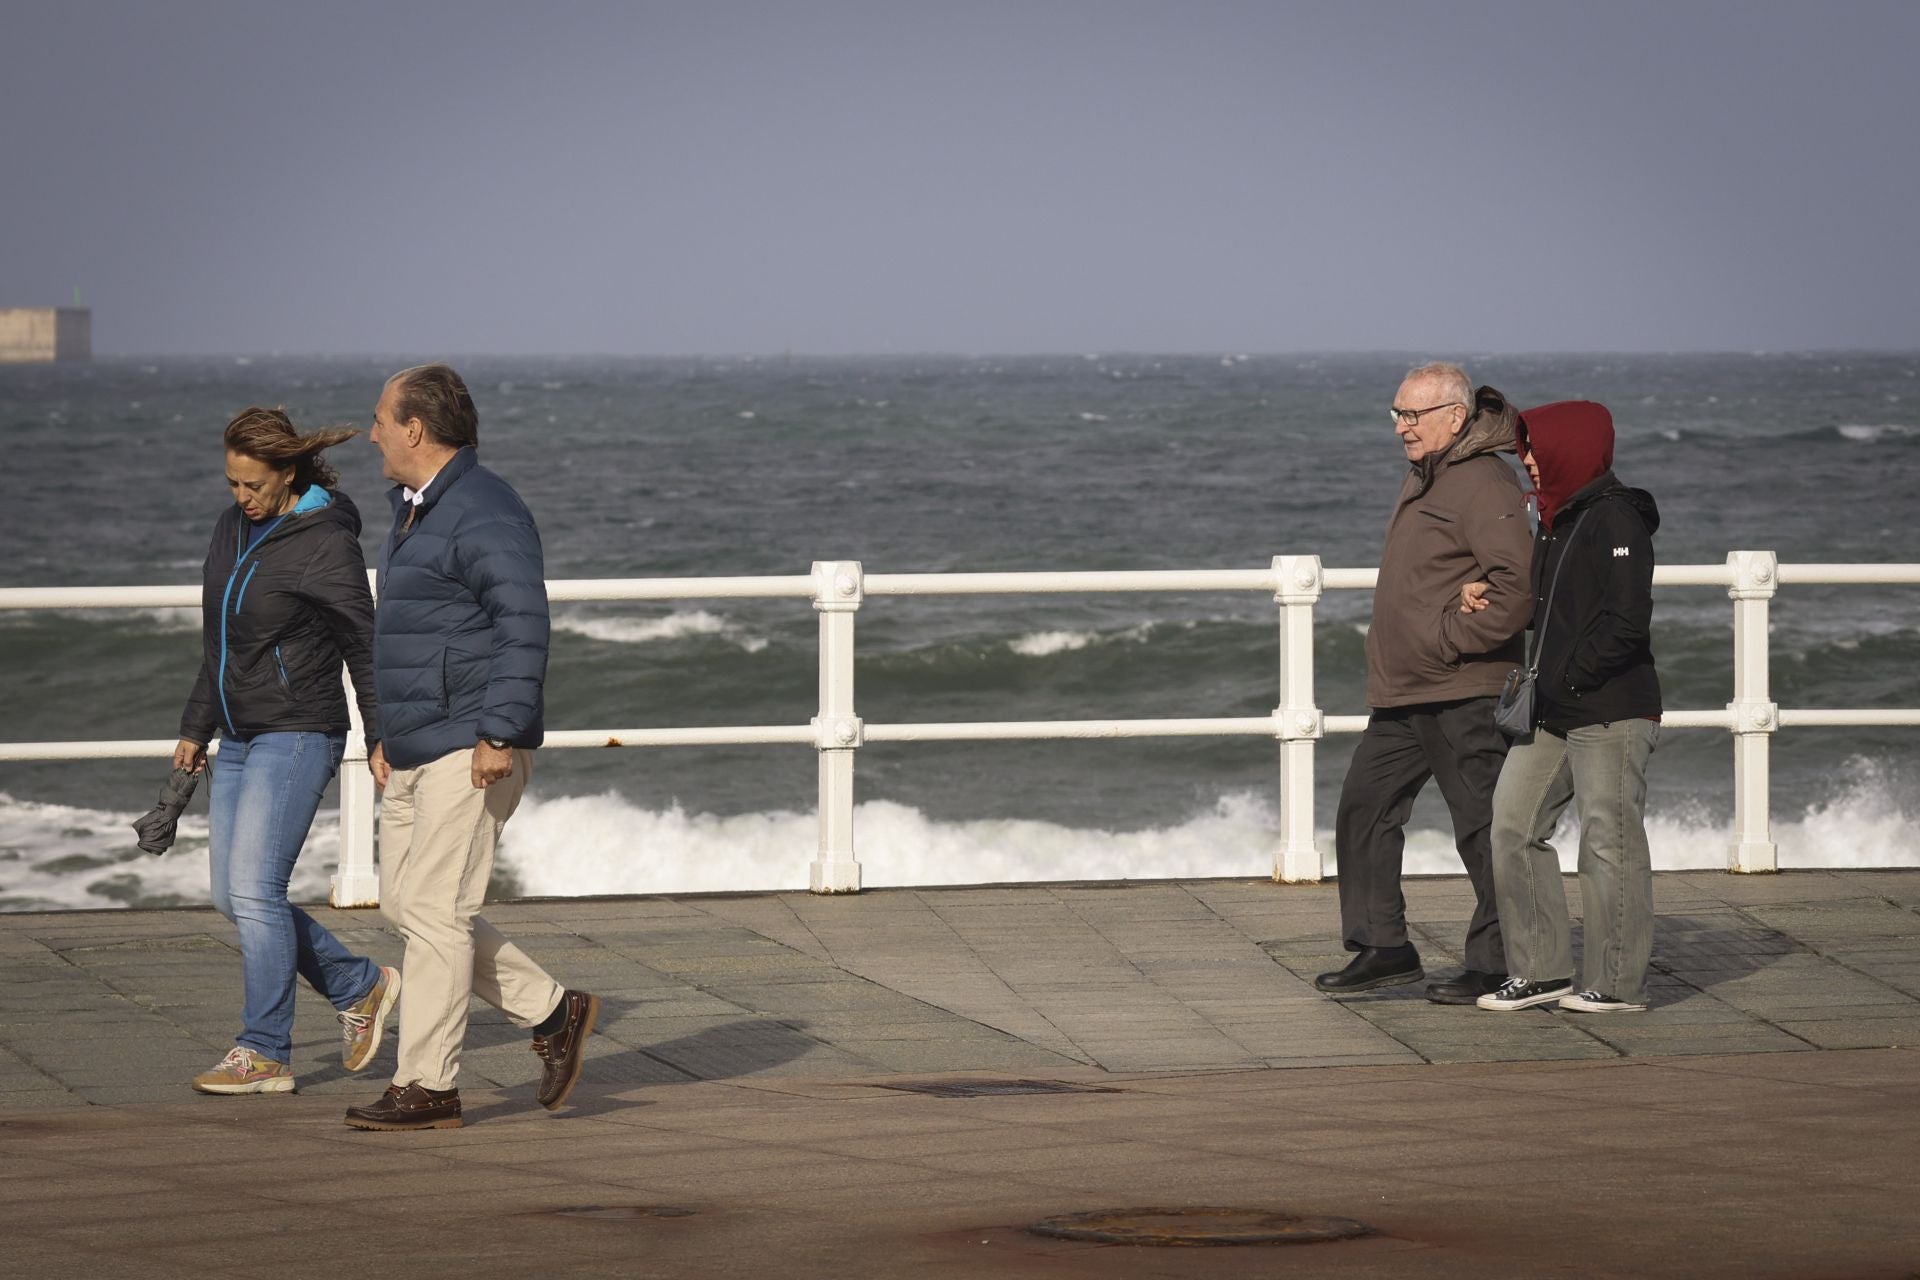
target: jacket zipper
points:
(277, 661)
(241, 598)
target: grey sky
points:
(970, 176)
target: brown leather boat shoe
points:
(562, 1051)
(409, 1107)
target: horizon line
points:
(1219, 353)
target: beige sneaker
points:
(244, 1071)
(360, 1026)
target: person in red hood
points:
(1596, 721)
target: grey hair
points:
(1459, 385)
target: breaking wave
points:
(57, 857)
(1041, 644)
(603, 844)
(674, 626)
(1868, 432)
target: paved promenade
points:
(742, 1111)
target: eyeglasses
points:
(1411, 417)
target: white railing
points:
(838, 589)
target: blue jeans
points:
(265, 793)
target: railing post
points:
(838, 589)
(356, 882)
(1297, 722)
(1755, 576)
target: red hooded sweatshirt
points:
(1572, 444)
(1596, 659)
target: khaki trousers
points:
(437, 837)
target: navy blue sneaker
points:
(1599, 1002)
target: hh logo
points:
(1619, 551)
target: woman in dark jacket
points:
(284, 601)
(1596, 721)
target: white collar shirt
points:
(417, 496)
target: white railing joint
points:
(1298, 724)
(1753, 715)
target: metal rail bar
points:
(839, 588)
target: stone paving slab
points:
(1760, 1120)
(1127, 977)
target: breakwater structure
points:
(838, 589)
(46, 335)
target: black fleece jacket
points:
(1596, 661)
(279, 618)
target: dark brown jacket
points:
(1461, 518)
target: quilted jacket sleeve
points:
(198, 722)
(500, 561)
(201, 719)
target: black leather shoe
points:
(562, 1052)
(1466, 988)
(409, 1107)
(1374, 967)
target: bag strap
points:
(1540, 629)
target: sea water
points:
(687, 467)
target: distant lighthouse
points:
(46, 335)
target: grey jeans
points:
(1604, 768)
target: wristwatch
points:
(498, 744)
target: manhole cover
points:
(619, 1212)
(993, 1088)
(1197, 1227)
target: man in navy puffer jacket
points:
(459, 656)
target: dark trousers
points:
(1455, 743)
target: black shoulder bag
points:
(1513, 714)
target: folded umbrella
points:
(156, 826)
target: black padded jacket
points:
(279, 618)
(1596, 665)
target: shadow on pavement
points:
(724, 1051)
(1706, 950)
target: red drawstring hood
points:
(1572, 446)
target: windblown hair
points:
(269, 436)
(1459, 385)
(435, 394)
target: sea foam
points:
(55, 857)
(1041, 644)
(674, 626)
(1868, 432)
(556, 847)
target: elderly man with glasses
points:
(1433, 675)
